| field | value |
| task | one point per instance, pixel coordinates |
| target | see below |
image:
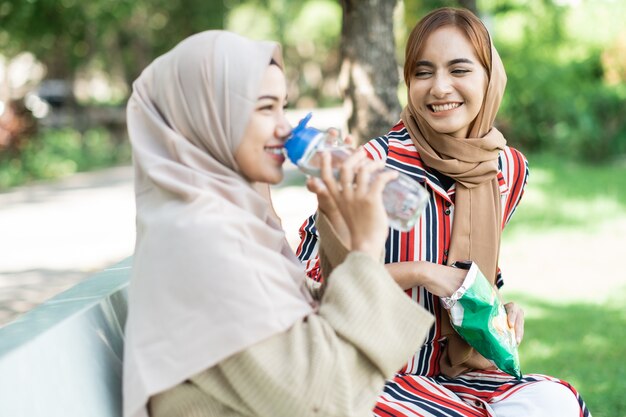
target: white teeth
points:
(275, 151)
(443, 107)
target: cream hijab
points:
(473, 163)
(212, 272)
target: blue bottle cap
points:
(300, 138)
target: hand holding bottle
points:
(325, 203)
(404, 198)
(357, 198)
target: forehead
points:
(273, 82)
(448, 43)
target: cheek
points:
(478, 97)
(481, 88)
(416, 95)
(245, 157)
(240, 154)
(248, 167)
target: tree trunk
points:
(469, 4)
(369, 71)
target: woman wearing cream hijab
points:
(447, 141)
(220, 322)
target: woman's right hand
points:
(440, 280)
(357, 198)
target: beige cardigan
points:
(333, 363)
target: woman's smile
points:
(276, 152)
(439, 108)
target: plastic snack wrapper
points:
(479, 317)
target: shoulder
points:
(398, 151)
(514, 166)
(512, 159)
(397, 137)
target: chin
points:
(274, 179)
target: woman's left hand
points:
(515, 316)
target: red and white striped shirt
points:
(429, 241)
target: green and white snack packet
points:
(479, 317)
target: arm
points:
(320, 250)
(335, 362)
(345, 218)
(514, 167)
(443, 281)
(440, 280)
(309, 251)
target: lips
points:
(276, 152)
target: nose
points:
(283, 128)
(441, 86)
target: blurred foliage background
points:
(67, 66)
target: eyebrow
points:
(270, 97)
(424, 63)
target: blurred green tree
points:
(566, 89)
(119, 37)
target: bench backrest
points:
(64, 358)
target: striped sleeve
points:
(307, 250)
(377, 148)
(514, 168)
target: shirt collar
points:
(423, 174)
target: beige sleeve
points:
(333, 363)
(332, 250)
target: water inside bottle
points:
(404, 201)
(314, 161)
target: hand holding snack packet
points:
(479, 317)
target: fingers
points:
(328, 176)
(349, 140)
(364, 184)
(315, 185)
(382, 179)
(348, 171)
(333, 136)
(355, 191)
(515, 317)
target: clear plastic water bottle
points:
(404, 198)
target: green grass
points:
(565, 194)
(584, 344)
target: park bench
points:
(64, 357)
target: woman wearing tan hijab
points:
(220, 322)
(446, 141)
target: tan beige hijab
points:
(473, 163)
(212, 273)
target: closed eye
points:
(460, 71)
(267, 107)
(423, 74)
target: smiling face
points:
(260, 153)
(448, 83)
